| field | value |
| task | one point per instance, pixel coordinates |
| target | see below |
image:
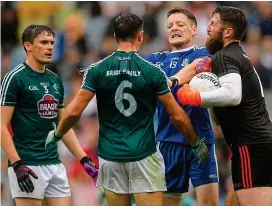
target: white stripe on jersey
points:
(52, 72)
(7, 80)
(91, 66)
(99, 62)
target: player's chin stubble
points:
(213, 45)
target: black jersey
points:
(248, 122)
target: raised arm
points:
(188, 72)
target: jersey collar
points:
(183, 50)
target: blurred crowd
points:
(84, 35)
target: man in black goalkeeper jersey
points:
(239, 108)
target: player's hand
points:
(201, 150)
(203, 65)
(188, 96)
(23, 176)
(89, 167)
(52, 138)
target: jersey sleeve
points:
(161, 84)
(203, 52)
(88, 82)
(9, 90)
(224, 64)
(61, 103)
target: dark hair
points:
(235, 18)
(127, 25)
(32, 31)
(182, 11)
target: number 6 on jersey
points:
(120, 96)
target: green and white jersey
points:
(126, 88)
(36, 98)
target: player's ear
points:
(140, 36)
(28, 46)
(194, 30)
(114, 36)
(228, 33)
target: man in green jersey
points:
(32, 102)
(127, 88)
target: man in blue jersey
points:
(180, 162)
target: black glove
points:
(175, 80)
(23, 176)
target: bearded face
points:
(214, 42)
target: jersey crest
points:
(48, 107)
(185, 62)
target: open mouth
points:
(48, 54)
(176, 36)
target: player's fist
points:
(89, 167)
(201, 150)
(187, 96)
(204, 65)
(52, 138)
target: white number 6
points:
(120, 96)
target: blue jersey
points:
(171, 63)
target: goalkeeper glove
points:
(52, 138)
(23, 176)
(204, 65)
(89, 167)
(201, 150)
(187, 96)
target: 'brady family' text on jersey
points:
(126, 88)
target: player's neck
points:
(182, 46)
(226, 43)
(34, 65)
(128, 47)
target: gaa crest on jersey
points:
(48, 106)
(185, 62)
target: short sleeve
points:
(9, 90)
(61, 102)
(88, 82)
(223, 64)
(161, 84)
(203, 53)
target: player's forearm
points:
(71, 142)
(183, 123)
(66, 123)
(8, 145)
(229, 94)
(186, 74)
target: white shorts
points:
(147, 175)
(52, 182)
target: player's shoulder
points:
(232, 50)
(14, 72)
(201, 51)
(157, 56)
(52, 73)
(147, 63)
(100, 63)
